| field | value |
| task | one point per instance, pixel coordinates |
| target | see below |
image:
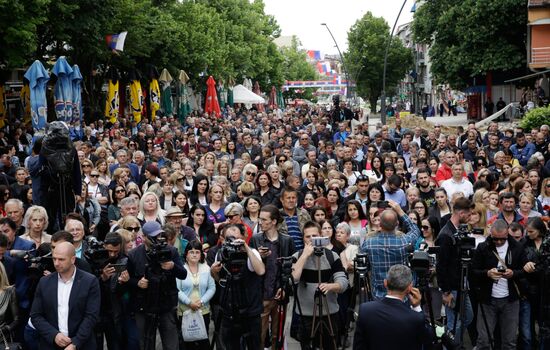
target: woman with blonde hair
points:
(150, 210)
(102, 153)
(104, 173)
(9, 311)
(478, 222)
(131, 224)
(544, 196)
(216, 205)
(36, 222)
(527, 203)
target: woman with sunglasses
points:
(249, 172)
(113, 211)
(430, 230)
(132, 224)
(86, 167)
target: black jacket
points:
(286, 243)
(162, 293)
(484, 260)
(448, 262)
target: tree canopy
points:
(472, 37)
(367, 41)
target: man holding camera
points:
(497, 267)
(111, 281)
(386, 248)
(273, 246)
(153, 268)
(241, 293)
(389, 323)
(448, 267)
(318, 270)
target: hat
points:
(153, 169)
(174, 211)
(152, 229)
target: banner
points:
(112, 102)
(154, 95)
(136, 100)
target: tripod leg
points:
(330, 328)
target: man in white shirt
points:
(457, 183)
(66, 304)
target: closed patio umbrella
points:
(38, 77)
(63, 90)
(211, 104)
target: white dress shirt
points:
(63, 295)
(416, 308)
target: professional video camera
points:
(96, 254)
(233, 257)
(159, 251)
(362, 264)
(464, 241)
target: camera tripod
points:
(286, 281)
(362, 290)
(320, 323)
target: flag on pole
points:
(116, 41)
(154, 95)
(136, 100)
(112, 102)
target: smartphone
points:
(320, 242)
(382, 204)
(118, 267)
(501, 269)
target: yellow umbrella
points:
(25, 98)
(112, 102)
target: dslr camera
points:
(233, 256)
(159, 251)
(96, 254)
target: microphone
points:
(19, 253)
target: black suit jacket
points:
(391, 325)
(84, 304)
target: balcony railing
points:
(540, 55)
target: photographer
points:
(153, 268)
(112, 277)
(272, 245)
(448, 265)
(241, 290)
(497, 267)
(333, 281)
(385, 248)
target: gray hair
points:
(344, 226)
(120, 151)
(499, 226)
(15, 201)
(128, 201)
(399, 277)
(138, 153)
(234, 209)
(331, 162)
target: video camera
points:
(96, 254)
(362, 264)
(233, 256)
(464, 242)
(159, 251)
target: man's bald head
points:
(63, 259)
(65, 249)
(388, 220)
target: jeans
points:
(248, 329)
(467, 317)
(165, 322)
(524, 340)
(506, 313)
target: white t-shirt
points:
(500, 289)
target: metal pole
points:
(344, 66)
(383, 97)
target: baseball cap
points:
(152, 229)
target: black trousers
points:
(249, 329)
(322, 338)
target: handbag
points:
(192, 326)
(11, 345)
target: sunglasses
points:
(548, 185)
(371, 151)
(86, 166)
(231, 216)
(120, 191)
(94, 175)
(181, 178)
(132, 145)
(149, 143)
(425, 227)
(282, 160)
(133, 229)
(250, 174)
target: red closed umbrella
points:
(211, 104)
(259, 106)
(273, 98)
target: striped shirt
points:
(294, 231)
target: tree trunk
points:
(372, 101)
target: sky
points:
(303, 18)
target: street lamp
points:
(383, 97)
(344, 66)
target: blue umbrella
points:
(38, 77)
(63, 90)
(76, 81)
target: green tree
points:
(367, 40)
(296, 67)
(471, 38)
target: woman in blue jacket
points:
(196, 290)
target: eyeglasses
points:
(120, 191)
(425, 227)
(94, 175)
(250, 174)
(133, 229)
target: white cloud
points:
(303, 18)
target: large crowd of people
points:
(163, 200)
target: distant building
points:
(538, 34)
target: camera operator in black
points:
(112, 288)
(153, 291)
(497, 268)
(272, 245)
(241, 317)
(448, 266)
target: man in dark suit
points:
(66, 304)
(389, 323)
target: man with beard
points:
(427, 193)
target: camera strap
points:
(503, 263)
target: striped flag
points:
(116, 41)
